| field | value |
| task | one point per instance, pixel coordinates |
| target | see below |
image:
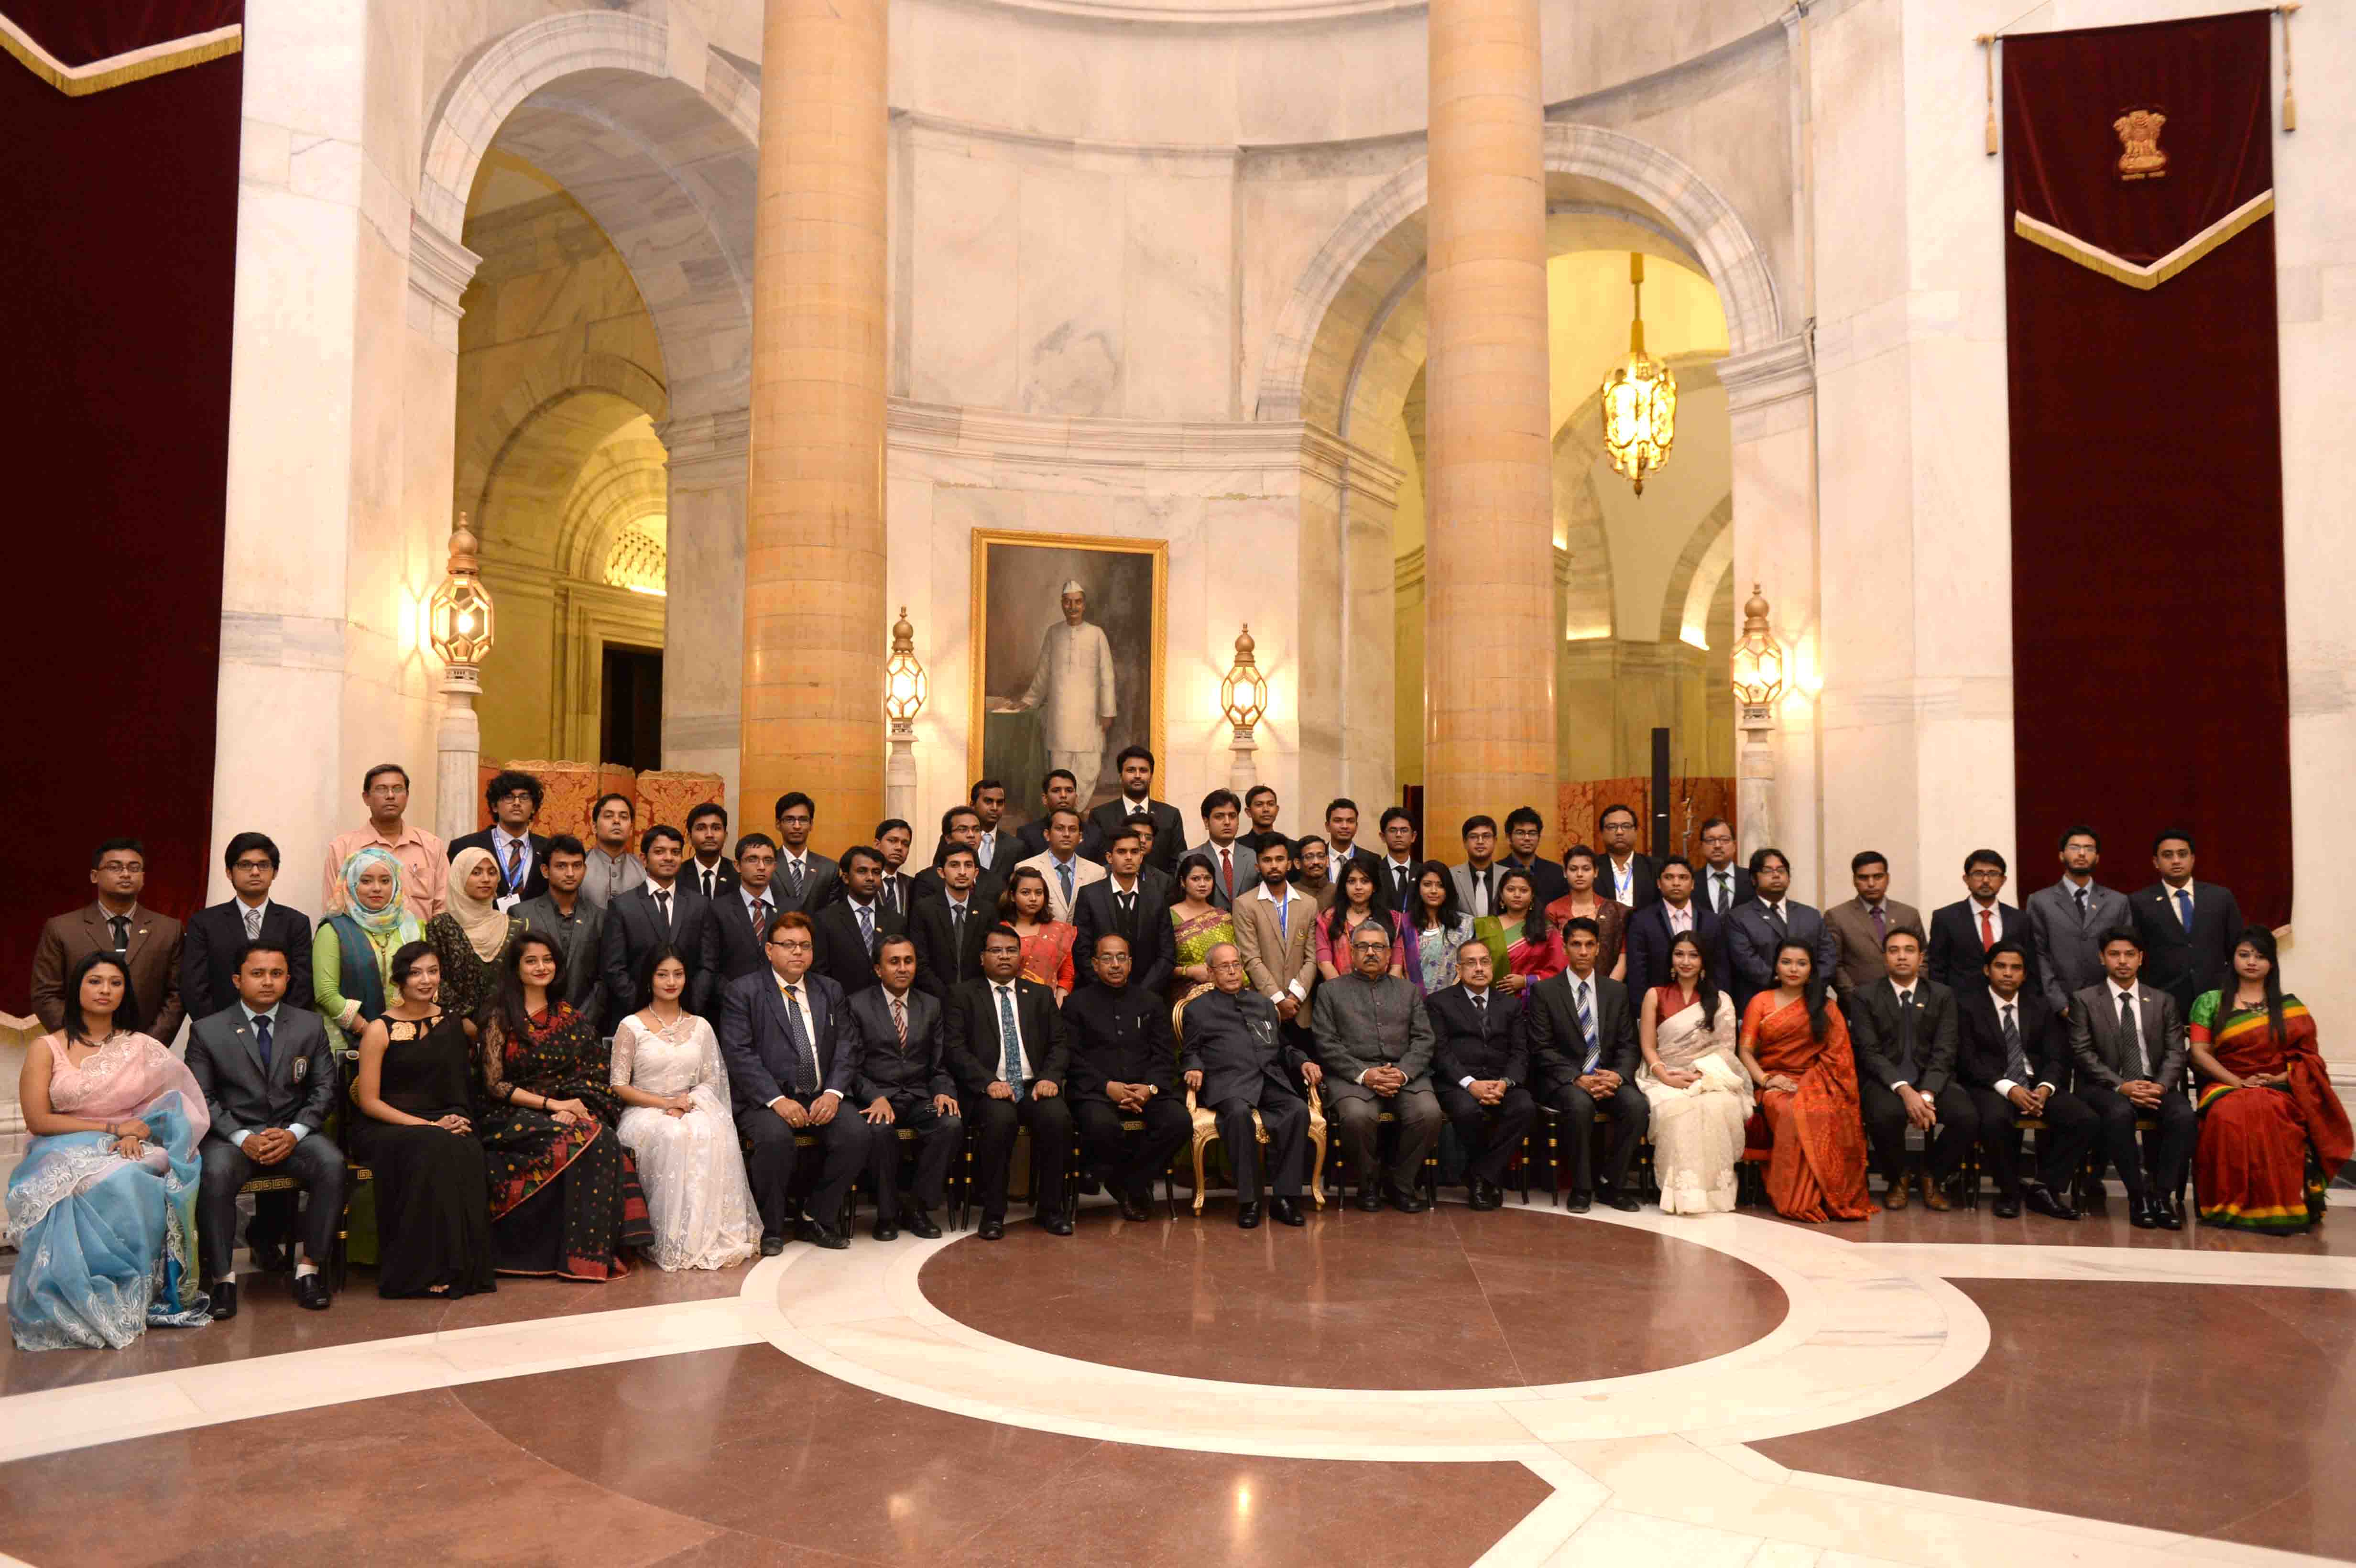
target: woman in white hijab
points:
(472, 933)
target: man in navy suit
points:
(1007, 1048)
(2189, 929)
(1755, 930)
(1481, 1069)
(1652, 929)
(1963, 932)
(1720, 884)
(793, 1058)
(521, 854)
(208, 950)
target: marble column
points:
(814, 553)
(1489, 557)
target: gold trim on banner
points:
(2119, 269)
(118, 70)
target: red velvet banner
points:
(2151, 678)
(115, 297)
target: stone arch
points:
(1590, 608)
(1701, 568)
(547, 384)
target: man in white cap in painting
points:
(1073, 689)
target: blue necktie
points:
(867, 929)
(1064, 871)
(262, 1040)
(1587, 1032)
(2184, 906)
(1009, 1040)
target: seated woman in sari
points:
(565, 1197)
(1609, 916)
(1699, 1093)
(1046, 941)
(1196, 925)
(1434, 929)
(2265, 1100)
(103, 1206)
(1795, 1049)
(351, 953)
(1532, 946)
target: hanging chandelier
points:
(1640, 399)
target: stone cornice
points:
(1768, 375)
(707, 448)
(439, 267)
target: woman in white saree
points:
(1701, 1096)
(666, 1070)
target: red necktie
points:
(1226, 874)
(1987, 932)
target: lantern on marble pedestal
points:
(1758, 678)
(458, 623)
(1243, 698)
(904, 690)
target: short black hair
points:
(1305, 840)
(1478, 819)
(1220, 798)
(109, 846)
(506, 781)
(2125, 933)
(1582, 852)
(239, 846)
(863, 852)
(1340, 803)
(1399, 812)
(1121, 757)
(954, 851)
(367, 779)
(703, 809)
(753, 841)
(1984, 858)
(1675, 860)
(1004, 930)
(1582, 922)
(980, 784)
(1256, 791)
(566, 844)
(1759, 858)
(1523, 815)
(1902, 929)
(1127, 833)
(1052, 774)
(1864, 858)
(1622, 806)
(790, 799)
(1072, 812)
(2001, 947)
(2079, 830)
(1279, 844)
(1709, 822)
(953, 813)
(657, 834)
(246, 950)
(902, 939)
(888, 823)
(2165, 833)
(598, 805)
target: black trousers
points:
(2171, 1141)
(841, 1150)
(2070, 1131)
(1357, 1126)
(1886, 1125)
(1127, 1162)
(317, 1163)
(1631, 1112)
(995, 1122)
(1286, 1165)
(938, 1141)
(1489, 1133)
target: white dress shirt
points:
(1285, 915)
(799, 1003)
(1483, 1000)
(501, 842)
(1709, 888)
(2011, 1011)
(1623, 880)
(1906, 999)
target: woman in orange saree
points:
(2265, 1098)
(1795, 1048)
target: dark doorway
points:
(631, 730)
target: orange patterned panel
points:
(1692, 801)
(667, 797)
(613, 778)
(571, 787)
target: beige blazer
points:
(1279, 953)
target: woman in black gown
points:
(416, 1132)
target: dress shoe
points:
(311, 1292)
(1893, 1197)
(1368, 1202)
(2164, 1215)
(1934, 1199)
(1133, 1208)
(1580, 1202)
(1248, 1216)
(1287, 1211)
(2007, 1209)
(2041, 1199)
(222, 1301)
(1626, 1203)
(2139, 1215)
(267, 1257)
(1409, 1202)
(917, 1223)
(884, 1231)
(772, 1245)
(819, 1235)
(1054, 1222)
(991, 1230)
(1484, 1197)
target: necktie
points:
(252, 924)
(1881, 923)
(1987, 930)
(515, 863)
(1226, 874)
(867, 929)
(122, 924)
(2016, 1061)
(956, 929)
(261, 1040)
(662, 901)
(1064, 871)
(711, 879)
(2081, 896)
(794, 880)
(1587, 1032)
(1010, 1040)
(805, 1053)
(1724, 895)
(1908, 1035)
(1480, 1013)
(891, 895)
(2184, 906)
(1775, 918)
(1125, 922)
(2127, 1028)
(761, 919)
(900, 1020)
(1482, 906)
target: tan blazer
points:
(1278, 954)
(154, 963)
(1858, 952)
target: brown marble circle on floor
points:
(1446, 1300)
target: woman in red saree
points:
(1795, 1048)
(2265, 1099)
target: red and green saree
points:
(2250, 1169)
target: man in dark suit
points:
(995, 847)
(2069, 921)
(805, 879)
(1233, 866)
(1057, 791)
(1964, 933)
(1123, 1067)
(208, 947)
(1721, 886)
(1582, 1043)
(708, 867)
(850, 927)
(148, 944)
(793, 1059)
(1342, 844)
(1236, 1060)
(268, 1076)
(1652, 929)
(1260, 809)
(1480, 1067)
(896, 891)
(1008, 1050)
(960, 826)
(665, 910)
(2012, 1056)
(1399, 867)
(1625, 872)
(736, 938)
(1136, 765)
(904, 1082)
(521, 854)
(1755, 930)
(576, 926)
(2129, 1043)
(1133, 903)
(1903, 1029)
(948, 928)
(1525, 834)
(2189, 929)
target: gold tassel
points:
(2290, 98)
(1986, 41)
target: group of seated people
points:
(551, 1056)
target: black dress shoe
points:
(2007, 1207)
(1483, 1196)
(1625, 1204)
(2139, 1215)
(1287, 1211)
(311, 1292)
(885, 1232)
(1133, 1208)
(223, 1301)
(1053, 1221)
(917, 1223)
(1409, 1202)
(991, 1230)
(819, 1235)
(1248, 1216)
(1580, 1202)
(2163, 1214)
(1367, 1203)
(2042, 1199)
(772, 1245)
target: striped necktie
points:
(1587, 1032)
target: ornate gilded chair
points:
(1206, 1123)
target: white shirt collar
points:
(251, 1015)
(1771, 903)
(2117, 990)
(1903, 988)
(1479, 996)
(1289, 895)
(753, 898)
(501, 837)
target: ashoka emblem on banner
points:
(2140, 157)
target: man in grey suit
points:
(1755, 930)
(1375, 1039)
(1476, 878)
(269, 1081)
(576, 925)
(2129, 1042)
(2067, 920)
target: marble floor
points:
(1521, 1387)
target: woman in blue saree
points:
(103, 1207)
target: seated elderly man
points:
(1237, 1061)
(1375, 1041)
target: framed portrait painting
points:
(1068, 635)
